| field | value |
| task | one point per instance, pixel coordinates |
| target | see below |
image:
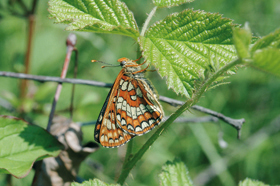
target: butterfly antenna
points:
(107, 64)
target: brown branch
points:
(71, 42)
(236, 123)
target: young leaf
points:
(249, 182)
(268, 60)
(104, 16)
(182, 44)
(170, 3)
(175, 174)
(272, 40)
(22, 144)
(242, 39)
(94, 182)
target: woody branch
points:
(236, 123)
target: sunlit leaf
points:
(182, 45)
(170, 3)
(174, 174)
(22, 144)
(249, 182)
(94, 182)
(104, 16)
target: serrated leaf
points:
(182, 45)
(175, 173)
(94, 182)
(249, 182)
(272, 40)
(170, 3)
(242, 39)
(268, 60)
(22, 144)
(104, 16)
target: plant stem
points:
(130, 164)
(71, 41)
(31, 23)
(146, 24)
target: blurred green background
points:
(252, 95)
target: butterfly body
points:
(130, 109)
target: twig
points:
(203, 119)
(73, 86)
(237, 123)
(71, 41)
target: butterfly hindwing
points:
(137, 110)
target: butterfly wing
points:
(137, 108)
(107, 132)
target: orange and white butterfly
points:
(130, 109)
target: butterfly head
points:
(125, 62)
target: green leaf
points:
(272, 40)
(267, 60)
(94, 182)
(242, 39)
(104, 16)
(21, 144)
(170, 3)
(182, 45)
(249, 182)
(175, 173)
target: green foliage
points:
(94, 182)
(170, 3)
(249, 182)
(22, 144)
(175, 173)
(242, 40)
(105, 16)
(182, 45)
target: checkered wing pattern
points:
(130, 109)
(107, 133)
(138, 110)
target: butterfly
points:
(130, 109)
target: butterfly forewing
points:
(107, 133)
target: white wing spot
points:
(110, 135)
(106, 138)
(109, 124)
(133, 112)
(138, 129)
(139, 92)
(130, 127)
(144, 124)
(133, 97)
(130, 86)
(121, 81)
(123, 122)
(151, 121)
(124, 105)
(121, 138)
(111, 141)
(118, 117)
(124, 85)
(102, 138)
(100, 118)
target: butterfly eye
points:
(123, 63)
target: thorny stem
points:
(71, 41)
(130, 164)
